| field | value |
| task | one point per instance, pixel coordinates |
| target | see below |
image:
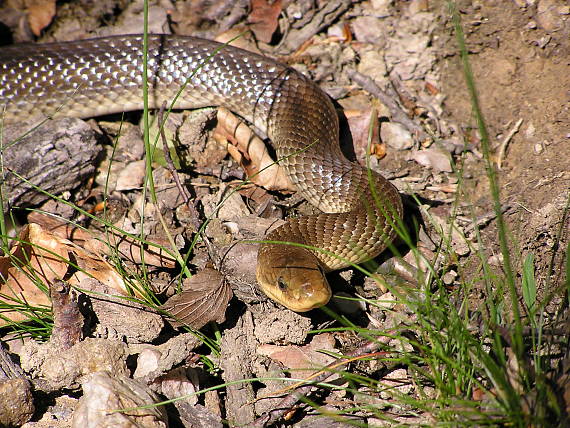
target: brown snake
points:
(102, 76)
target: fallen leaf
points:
(302, 358)
(40, 258)
(360, 123)
(35, 258)
(109, 243)
(250, 152)
(40, 14)
(263, 19)
(204, 298)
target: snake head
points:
(292, 276)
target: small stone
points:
(16, 401)
(396, 136)
(372, 64)
(105, 392)
(396, 381)
(449, 277)
(418, 6)
(368, 29)
(386, 301)
(495, 260)
(538, 148)
(433, 158)
(147, 362)
(548, 16)
(532, 25)
(543, 42)
(381, 6)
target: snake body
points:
(102, 76)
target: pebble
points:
(396, 136)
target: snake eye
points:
(281, 284)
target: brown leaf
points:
(40, 14)
(360, 123)
(127, 247)
(35, 255)
(263, 18)
(205, 298)
(250, 152)
(40, 257)
(302, 358)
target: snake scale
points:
(102, 76)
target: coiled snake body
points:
(102, 76)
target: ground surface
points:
(520, 56)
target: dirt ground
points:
(520, 57)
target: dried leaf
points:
(309, 357)
(40, 14)
(263, 18)
(360, 123)
(106, 243)
(40, 257)
(250, 152)
(34, 255)
(205, 298)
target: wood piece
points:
(16, 401)
(327, 14)
(56, 156)
(237, 346)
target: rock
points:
(66, 369)
(372, 64)
(119, 318)
(368, 29)
(396, 136)
(16, 402)
(433, 158)
(104, 394)
(548, 16)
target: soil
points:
(520, 57)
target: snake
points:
(359, 209)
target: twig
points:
(484, 219)
(505, 142)
(398, 115)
